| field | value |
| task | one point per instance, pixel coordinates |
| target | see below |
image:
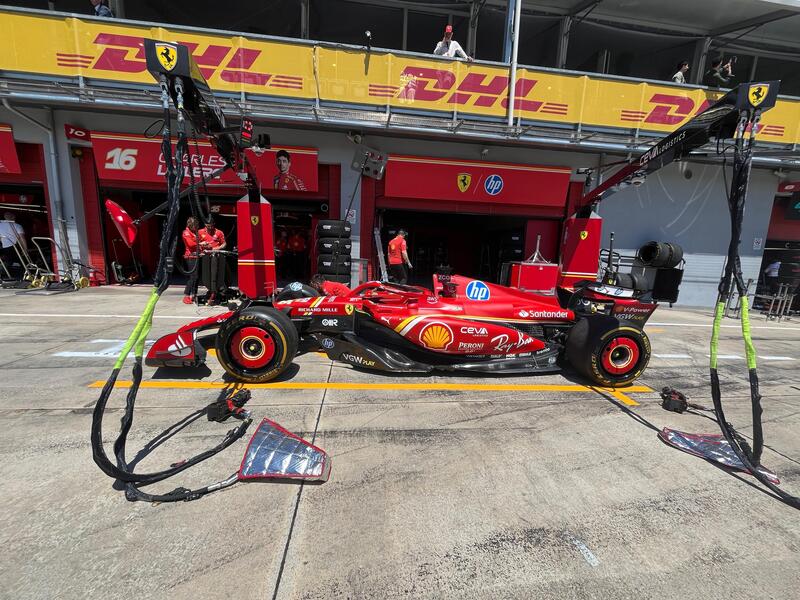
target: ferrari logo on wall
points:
(254, 221)
(757, 93)
(584, 234)
(167, 56)
(464, 179)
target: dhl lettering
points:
(669, 110)
(121, 58)
(521, 90)
(473, 83)
(432, 85)
(417, 80)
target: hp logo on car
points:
(327, 343)
(493, 185)
(477, 290)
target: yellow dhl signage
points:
(113, 51)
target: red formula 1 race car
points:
(464, 325)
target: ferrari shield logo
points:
(254, 221)
(584, 234)
(167, 56)
(757, 92)
(348, 308)
(464, 179)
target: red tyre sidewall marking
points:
(630, 346)
(247, 335)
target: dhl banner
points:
(113, 51)
(475, 181)
(126, 158)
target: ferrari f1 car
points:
(462, 325)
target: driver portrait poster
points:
(134, 158)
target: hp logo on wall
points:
(493, 185)
(477, 290)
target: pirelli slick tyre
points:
(607, 351)
(340, 265)
(663, 255)
(334, 229)
(334, 246)
(631, 281)
(257, 344)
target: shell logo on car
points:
(436, 336)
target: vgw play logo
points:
(493, 185)
(479, 291)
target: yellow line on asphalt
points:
(653, 330)
(623, 398)
(291, 385)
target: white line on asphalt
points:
(587, 554)
(737, 357)
(725, 356)
(725, 326)
(112, 350)
(77, 316)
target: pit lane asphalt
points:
(456, 493)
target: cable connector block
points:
(232, 406)
(673, 400)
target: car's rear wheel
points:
(257, 344)
(607, 351)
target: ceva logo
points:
(477, 290)
(493, 185)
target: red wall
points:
(32, 172)
(781, 228)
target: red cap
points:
(448, 29)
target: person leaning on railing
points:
(680, 75)
(719, 74)
(101, 9)
(450, 48)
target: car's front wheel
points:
(257, 344)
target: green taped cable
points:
(139, 334)
(749, 349)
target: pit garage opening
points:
(469, 215)
(473, 245)
(129, 169)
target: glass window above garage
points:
(346, 22)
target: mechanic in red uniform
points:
(398, 258)
(329, 288)
(285, 180)
(190, 239)
(211, 238)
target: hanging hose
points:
(750, 456)
(137, 338)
